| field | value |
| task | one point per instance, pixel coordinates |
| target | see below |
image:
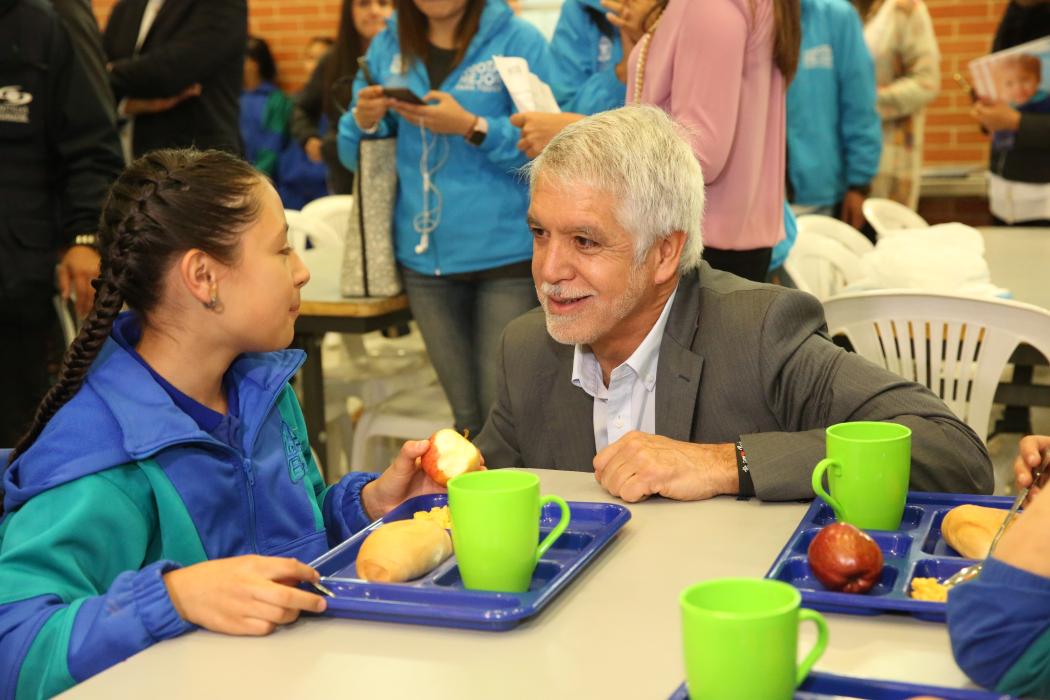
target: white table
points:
(613, 633)
(1019, 259)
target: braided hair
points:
(165, 203)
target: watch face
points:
(476, 137)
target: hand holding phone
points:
(402, 94)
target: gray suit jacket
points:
(738, 361)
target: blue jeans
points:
(462, 323)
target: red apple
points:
(450, 455)
(845, 559)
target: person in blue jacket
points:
(589, 72)
(834, 135)
(461, 237)
(999, 623)
(166, 482)
(586, 49)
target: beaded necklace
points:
(643, 56)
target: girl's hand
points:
(445, 117)
(246, 595)
(403, 479)
(371, 106)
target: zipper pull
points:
(248, 471)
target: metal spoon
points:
(971, 571)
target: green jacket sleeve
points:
(81, 583)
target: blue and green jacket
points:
(483, 199)
(585, 49)
(123, 486)
(999, 625)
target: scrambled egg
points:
(437, 514)
(929, 589)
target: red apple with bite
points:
(450, 454)
(845, 559)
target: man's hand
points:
(403, 479)
(313, 149)
(538, 128)
(136, 105)
(852, 209)
(444, 117)
(77, 268)
(996, 116)
(1031, 452)
(640, 465)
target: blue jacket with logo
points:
(834, 135)
(123, 486)
(483, 200)
(585, 49)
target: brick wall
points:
(964, 30)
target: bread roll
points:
(969, 529)
(403, 550)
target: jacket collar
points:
(148, 419)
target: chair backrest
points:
(822, 266)
(836, 230)
(886, 215)
(335, 210)
(303, 227)
(956, 346)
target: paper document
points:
(1019, 75)
(529, 93)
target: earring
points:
(213, 303)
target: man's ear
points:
(198, 273)
(668, 251)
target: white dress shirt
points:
(629, 402)
(127, 134)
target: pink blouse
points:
(710, 66)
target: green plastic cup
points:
(495, 527)
(740, 637)
(868, 467)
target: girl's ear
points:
(199, 274)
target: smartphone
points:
(403, 95)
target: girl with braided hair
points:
(166, 482)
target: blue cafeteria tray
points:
(823, 686)
(915, 550)
(440, 599)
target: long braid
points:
(163, 204)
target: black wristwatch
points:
(478, 131)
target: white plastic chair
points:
(887, 215)
(836, 230)
(303, 227)
(335, 210)
(956, 346)
(414, 414)
(822, 266)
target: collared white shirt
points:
(629, 402)
(127, 134)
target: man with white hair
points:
(663, 375)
